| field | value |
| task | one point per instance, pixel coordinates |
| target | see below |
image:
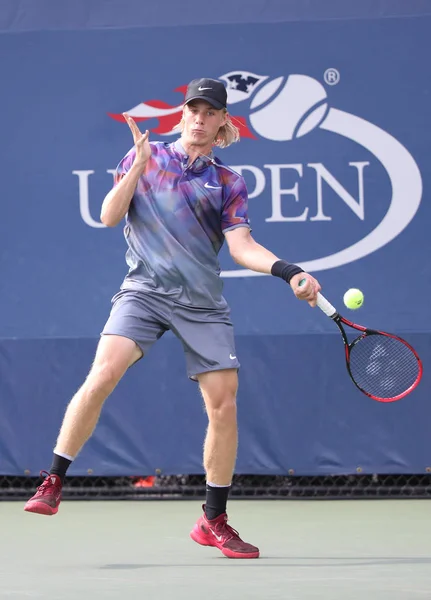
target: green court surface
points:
(345, 549)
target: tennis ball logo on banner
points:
(287, 108)
(302, 100)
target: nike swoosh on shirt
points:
(212, 187)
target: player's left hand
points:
(308, 290)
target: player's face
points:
(201, 123)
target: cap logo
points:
(201, 89)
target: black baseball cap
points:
(211, 90)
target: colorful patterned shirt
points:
(176, 223)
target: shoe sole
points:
(41, 509)
(228, 553)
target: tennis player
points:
(180, 202)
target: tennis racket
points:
(383, 366)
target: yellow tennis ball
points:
(353, 298)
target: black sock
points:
(59, 466)
(216, 500)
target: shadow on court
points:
(283, 561)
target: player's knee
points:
(102, 379)
(222, 410)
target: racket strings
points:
(383, 366)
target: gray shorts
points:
(206, 334)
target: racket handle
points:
(325, 305)
(322, 303)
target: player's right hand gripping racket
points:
(382, 365)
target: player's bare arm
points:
(248, 253)
(117, 201)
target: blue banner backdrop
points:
(334, 116)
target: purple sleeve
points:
(235, 208)
(124, 166)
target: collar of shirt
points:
(199, 164)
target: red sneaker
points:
(48, 496)
(221, 535)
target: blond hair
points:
(226, 135)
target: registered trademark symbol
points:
(331, 76)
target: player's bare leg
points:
(219, 390)
(114, 355)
